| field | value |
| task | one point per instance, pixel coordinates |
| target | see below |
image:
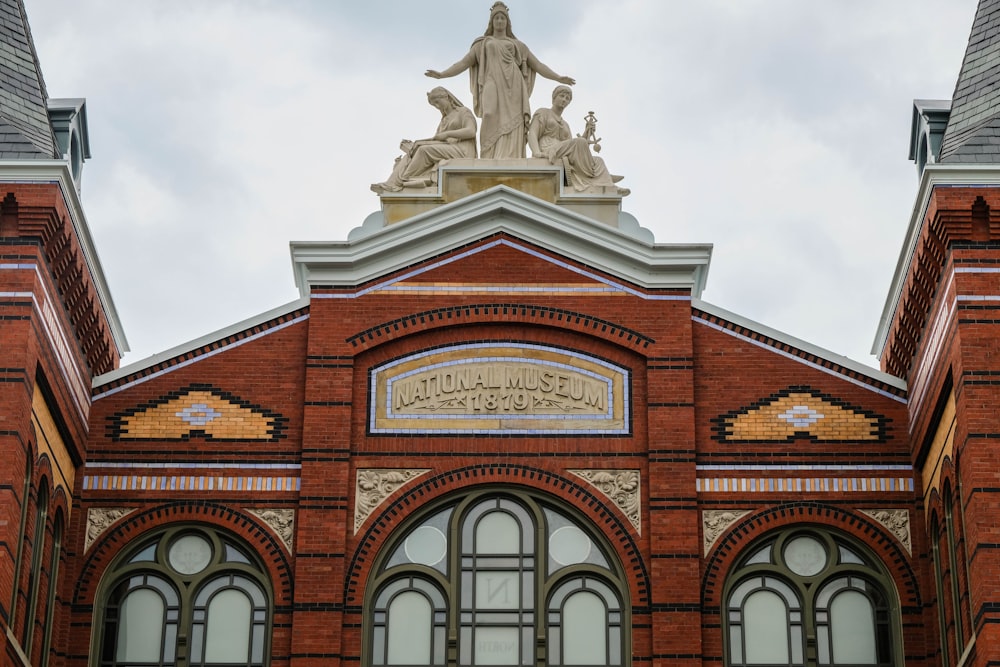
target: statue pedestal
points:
(534, 176)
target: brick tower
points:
(940, 332)
(58, 328)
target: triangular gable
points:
(798, 350)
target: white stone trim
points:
(59, 171)
(897, 522)
(280, 520)
(374, 485)
(622, 487)
(497, 210)
(714, 523)
(934, 175)
(99, 519)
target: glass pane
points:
(761, 557)
(147, 554)
(190, 554)
(852, 627)
(586, 633)
(409, 630)
(140, 627)
(569, 545)
(497, 590)
(805, 556)
(498, 533)
(736, 644)
(426, 545)
(234, 555)
(496, 646)
(765, 625)
(228, 628)
(848, 556)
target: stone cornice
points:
(501, 210)
(58, 172)
(933, 176)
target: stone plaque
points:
(499, 388)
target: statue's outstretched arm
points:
(546, 71)
(459, 67)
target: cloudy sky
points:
(776, 129)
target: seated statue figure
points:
(549, 137)
(455, 138)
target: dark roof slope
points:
(25, 130)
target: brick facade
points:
(681, 437)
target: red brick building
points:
(500, 427)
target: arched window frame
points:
(37, 558)
(765, 566)
(58, 530)
(942, 614)
(956, 567)
(22, 533)
(149, 560)
(453, 575)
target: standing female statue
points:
(502, 74)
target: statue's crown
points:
(499, 6)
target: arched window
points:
(939, 585)
(185, 581)
(805, 583)
(58, 526)
(35, 577)
(22, 536)
(955, 567)
(497, 571)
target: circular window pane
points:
(426, 545)
(569, 545)
(805, 556)
(190, 554)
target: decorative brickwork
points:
(197, 411)
(513, 312)
(800, 412)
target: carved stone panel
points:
(896, 522)
(499, 388)
(375, 485)
(281, 521)
(715, 523)
(99, 519)
(622, 487)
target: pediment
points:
(626, 253)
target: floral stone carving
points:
(99, 519)
(621, 487)
(281, 521)
(715, 523)
(375, 485)
(896, 522)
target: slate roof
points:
(25, 130)
(973, 133)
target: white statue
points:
(549, 137)
(455, 138)
(502, 75)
